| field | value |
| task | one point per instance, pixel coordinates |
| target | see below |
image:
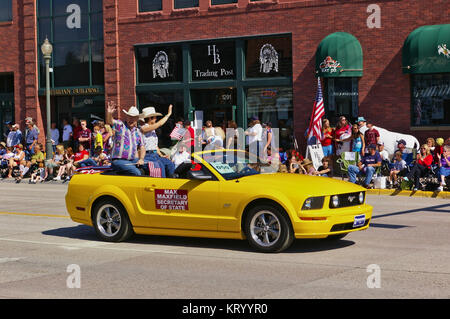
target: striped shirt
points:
(126, 141)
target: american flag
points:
(154, 171)
(315, 126)
(178, 133)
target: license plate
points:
(359, 221)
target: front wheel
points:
(111, 221)
(268, 229)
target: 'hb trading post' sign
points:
(172, 199)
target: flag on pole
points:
(315, 125)
(178, 133)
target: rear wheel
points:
(268, 229)
(111, 221)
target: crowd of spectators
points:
(76, 146)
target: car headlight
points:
(361, 197)
(313, 203)
(335, 201)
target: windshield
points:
(236, 164)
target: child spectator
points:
(100, 157)
(371, 135)
(444, 166)
(38, 174)
(85, 136)
(327, 140)
(398, 165)
(309, 167)
(325, 169)
(357, 140)
(97, 137)
(55, 162)
(67, 165)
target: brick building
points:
(232, 59)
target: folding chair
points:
(347, 159)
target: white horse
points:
(390, 139)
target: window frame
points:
(10, 11)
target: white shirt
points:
(55, 136)
(150, 140)
(179, 158)
(257, 128)
(67, 130)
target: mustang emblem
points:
(351, 198)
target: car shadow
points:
(82, 232)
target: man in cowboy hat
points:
(148, 130)
(128, 146)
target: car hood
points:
(308, 185)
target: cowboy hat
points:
(133, 111)
(149, 112)
(306, 162)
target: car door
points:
(180, 203)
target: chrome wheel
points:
(109, 220)
(265, 228)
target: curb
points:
(396, 192)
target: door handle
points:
(149, 189)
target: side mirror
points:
(199, 175)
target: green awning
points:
(427, 50)
(339, 55)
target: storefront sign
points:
(329, 65)
(75, 91)
(171, 199)
(213, 61)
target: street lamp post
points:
(47, 49)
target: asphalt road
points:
(43, 254)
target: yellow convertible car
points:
(219, 195)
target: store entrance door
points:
(6, 112)
(216, 105)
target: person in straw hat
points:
(148, 130)
(128, 148)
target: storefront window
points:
(75, 29)
(216, 105)
(180, 4)
(216, 2)
(6, 102)
(341, 98)
(5, 10)
(273, 105)
(268, 57)
(159, 64)
(430, 100)
(150, 5)
(213, 60)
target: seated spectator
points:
(30, 166)
(67, 166)
(444, 167)
(309, 167)
(366, 166)
(16, 160)
(398, 166)
(431, 144)
(38, 175)
(55, 162)
(100, 157)
(81, 158)
(422, 164)
(383, 153)
(325, 169)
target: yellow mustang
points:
(224, 194)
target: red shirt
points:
(191, 132)
(370, 137)
(327, 140)
(80, 155)
(427, 161)
(86, 134)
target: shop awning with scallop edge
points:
(339, 55)
(427, 50)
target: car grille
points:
(347, 200)
(347, 226)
